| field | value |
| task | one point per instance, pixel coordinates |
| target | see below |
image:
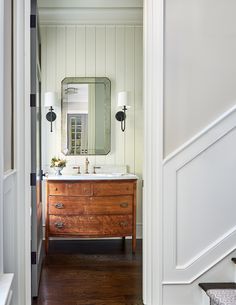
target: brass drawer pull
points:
(124, 223)
(124, 204)
(59, 205)
(59, 225)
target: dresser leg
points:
(46, 245)
(133, 244)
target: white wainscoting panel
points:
(5, 289)
(192, 294)
(199, 187)
(114, 51)
(9, 228)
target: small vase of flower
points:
(58, 165)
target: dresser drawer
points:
(117, 225)
(91, 225)
(79, 189)
(113, 188)
(70, 189)
(66, 205)
(72, 225)
(110, 205)
(57, 188)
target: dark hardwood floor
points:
(94, 272)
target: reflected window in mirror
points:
(86, 115)
(77, 133)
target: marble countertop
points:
(100, 176)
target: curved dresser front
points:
(91, 208)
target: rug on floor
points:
(222, 296)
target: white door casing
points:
(153, 83)
(1, 129)
(153, 147)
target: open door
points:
(36, 173)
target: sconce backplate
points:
(120, 116)
(51, 116)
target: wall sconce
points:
(50, 99)
(123, 103)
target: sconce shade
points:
(122, 99)
(50, 99)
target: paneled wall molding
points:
(10, 226)
(7, 175)
(200, 134)
(198, 190)
(121, 15)
(6, 289)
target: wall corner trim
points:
(153, 145)
(200, 134)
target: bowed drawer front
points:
(70, 189)
(91, 209)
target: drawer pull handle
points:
(59, 205)
(59, 225)
(124, 223)
(56, 189)
(124, 204)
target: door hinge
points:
(32, 100)
(42, 174)
(33, 179)
(33, 258)
(33, 19)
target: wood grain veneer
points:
(91, 209)
(72, 205)
(70, 188)
(113, 188)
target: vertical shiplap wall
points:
(114, 51)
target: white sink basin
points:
(104, 175)
(100, 176)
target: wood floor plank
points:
(93, 272)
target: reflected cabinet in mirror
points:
(86, 115)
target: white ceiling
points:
(90, 12)
(90, 3)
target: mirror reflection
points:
(86, 115)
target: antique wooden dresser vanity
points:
(91, 208)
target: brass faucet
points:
(86, 166)
(77, 167)
(94, 169)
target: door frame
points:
(27, 152)
(1, 129)
(153, 150)
(153, 46)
